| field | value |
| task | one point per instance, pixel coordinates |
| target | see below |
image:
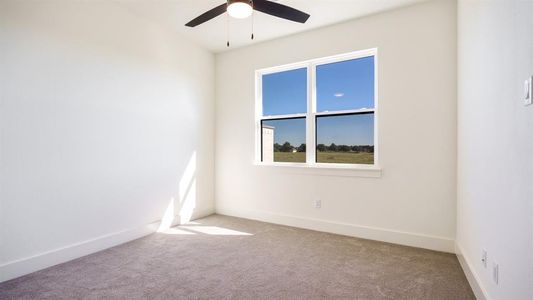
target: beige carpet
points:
(222, 257)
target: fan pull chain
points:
(227, 30)
(253, 13)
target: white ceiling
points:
(213, 34)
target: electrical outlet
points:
(495, 272)
(484, 257)
(318, 203)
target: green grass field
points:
(327, 157)
(289, 157)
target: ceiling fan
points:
(241, 9)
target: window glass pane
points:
(285, 92)
(345, 85)
(283, 140)
(345, 139)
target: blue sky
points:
(346, 130)
(285, 92)
(345, 85)
(340, 86)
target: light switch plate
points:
(528, 89)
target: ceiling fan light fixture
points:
(240, 9)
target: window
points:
(327, 103)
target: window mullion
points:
(278, 117)
(346, 112)
(311, 110)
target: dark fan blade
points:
(280, 10)
(208, 15)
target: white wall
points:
(413, 202)
(101, 113)
(495, 144)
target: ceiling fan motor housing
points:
(242, 1)
(240, 9)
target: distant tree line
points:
(287, 147)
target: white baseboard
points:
(20, 267)
(471, 275)
(47, 259)
(366, 232)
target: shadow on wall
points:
(187, 198)
(186, 206)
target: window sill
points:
(343, 170)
